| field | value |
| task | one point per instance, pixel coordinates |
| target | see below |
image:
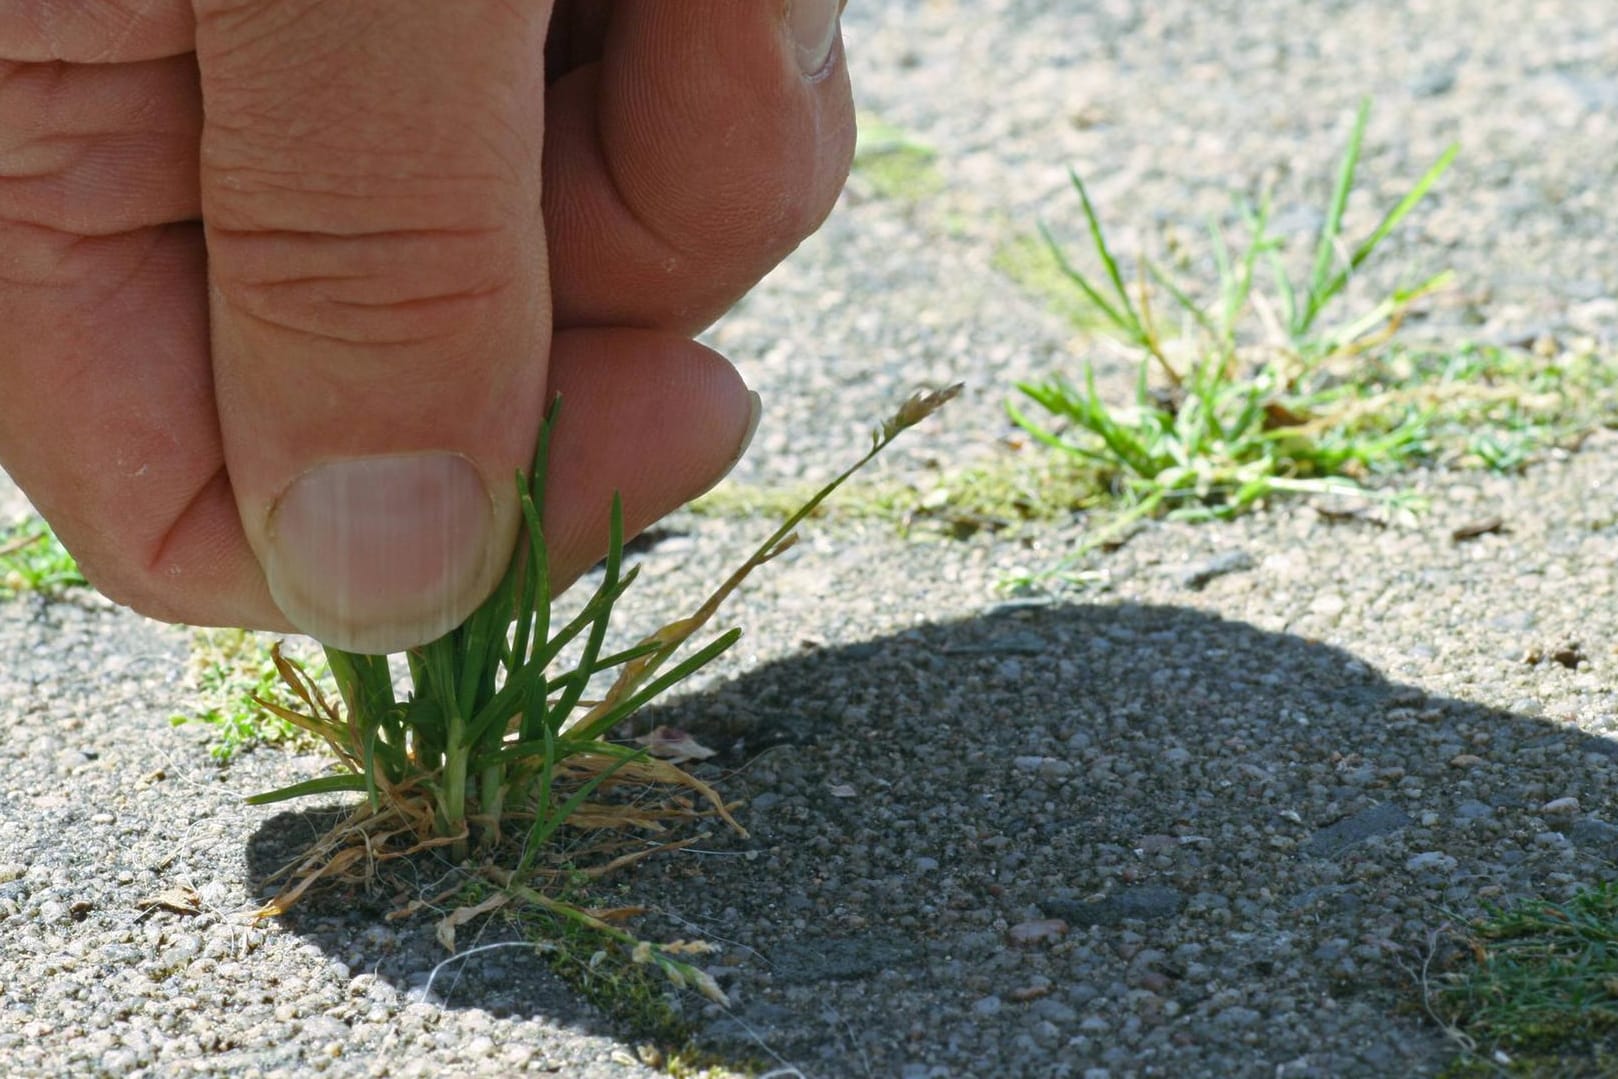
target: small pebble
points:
(1037, 931)
(1430, 861)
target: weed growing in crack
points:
(495, 747)
(1242, 399)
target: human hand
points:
(285, 285)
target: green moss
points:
(637, 996)
(895, 164)
(1599, 1062)
(1028, 261)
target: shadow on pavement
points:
(1062, 837)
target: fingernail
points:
(755, 410)
(814, 31)
(381, 554)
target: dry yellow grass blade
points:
(461, 915)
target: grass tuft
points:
(497, 749)
(1536, 977)
(1246, 394)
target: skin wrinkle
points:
(96, 31)
(329, 275)
(326, 203)
(66, 101)
(44, 25)
(57, 197)
(60, 276)
(219, 477)
(95, 174)
(316, 236)
(147, 434)
(132, 19)
(408, 336)
(268, 115)
(216, 490)
(336, 184)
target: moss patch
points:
(895, 164)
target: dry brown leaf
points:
(182, 899)
(461, 915)
(289, 895)
(674, 745)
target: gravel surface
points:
(1203, 820)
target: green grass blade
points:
(1084, 409)
(1285, 294)
(603, 598)
(1129, 449)
(30, 550)
(1376, 318)
(1228, 282)
(1259, 244)
(340, 784)
(1389, 222)
(1331, 228)
(1258, 224)
(542, 801)
(618, 659)
(479, 642)
(527, 683)
(667, 680)
(428, 723)
(1185, 302)
(546, 823)
(1044, 435)
(600, 725)
(373, 793)
(1110, 264)
(365, 682)
(1126, 326)
(533, 608)
(598, 629)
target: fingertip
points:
(655, 418)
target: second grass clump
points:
(1239, 397)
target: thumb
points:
(379, 297)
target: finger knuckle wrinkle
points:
(389, 288)
(92, 31)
